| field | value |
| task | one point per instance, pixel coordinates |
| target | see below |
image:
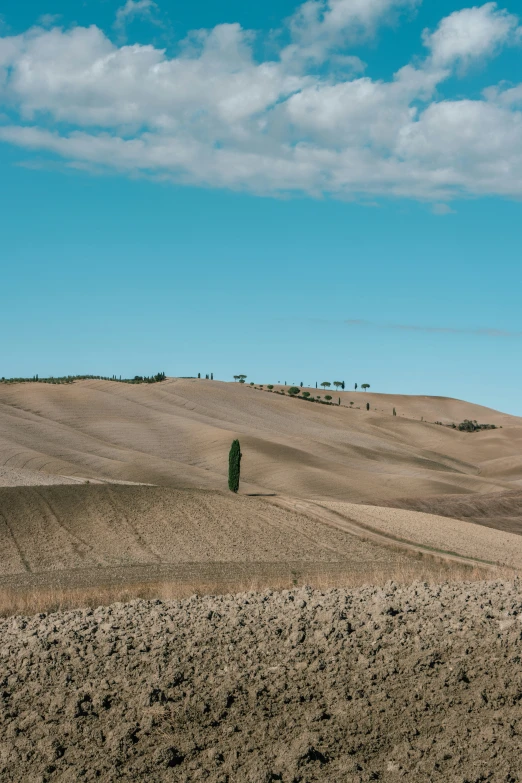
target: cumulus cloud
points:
(471, 34)
(215, 115)
(318, 26)
(133, 8)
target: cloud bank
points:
(305, 121)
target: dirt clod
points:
(419, 683)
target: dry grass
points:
(34, 601)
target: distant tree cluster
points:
(473, 426)
(468, 425)
(63, 379)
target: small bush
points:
(473, 426)
(328, 397)
(293, 390)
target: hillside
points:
(177, 434)
(136, 487)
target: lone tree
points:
(242, 378)
(234, 466)
(338, 384)
(326, 384)
(365, 386)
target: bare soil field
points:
(413, 683)
(75, 514)
(177, 433)
(499, 510)
(111, 492)
(71, 545)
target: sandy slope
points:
(112, 534)
(502, 511)
(436, 532)
(178, 433)
(58, 529)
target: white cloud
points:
(133, 8)
(213, 115)
(48, 20)
(471, 34)
(442, 209)
(318, 26)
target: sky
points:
(327, 190)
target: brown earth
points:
(499, 510)
(177, 433)
(111, 489)
(94, 535)
(72, 531)
(299, 459)
(411, 683)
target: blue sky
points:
(297, 192)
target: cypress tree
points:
(367, 406)
(234, 466)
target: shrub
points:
(270, 386)
(328, 397)
(293, 390)
(473, 426)
(306, 395)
